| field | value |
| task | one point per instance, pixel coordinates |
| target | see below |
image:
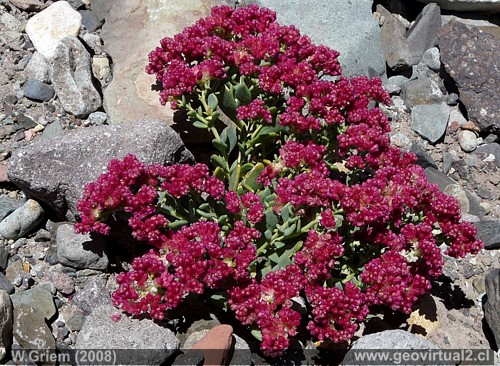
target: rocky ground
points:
(63, 101)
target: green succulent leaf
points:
(199, 124)
(250, 180)
(229, 104)
(242, 93)
(219, 145)
(212, 101)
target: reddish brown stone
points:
(216, 345)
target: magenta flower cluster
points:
(316, 204)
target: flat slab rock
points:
(130, 95)
(56, 170)
(107, 328)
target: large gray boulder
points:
(131, 96)
(346, 26)
(148, 342)
(492, 305)
(473, 61)
(387, 341)
(56, 170)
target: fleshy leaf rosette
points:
(306, 197)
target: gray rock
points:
(5, 323)
(393, 38)
(72, 78)
(421, 91)
(423, 157)
(53, 129)
(399, 80)
(456, 117)
(191, 357)
(38, 91)
(39, 298)
(24, 121)
(93, 295)
(475, 207)
(38, 68)
(91, 20)
(472, 60)
(402, 141)
(80, 251)
(8, 205)
(467, 5)
(22, 220)
(436, 177)
(11, 22)
(242, 353)
(422, 35)
(76, 320)
(29, 5)
(457, 192)
(430, 121)
(388, 340)
(100, 332)
(56, 170)
(97, 118)
(467, 140)
(5, 284)
(346, 26)
(432, 59)
(47, 28)
(4, 257)
(447, 161)
(30, 329)
(492, 306)
(490, 149)
(489, 233)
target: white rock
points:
(467, 140)
(51, 25)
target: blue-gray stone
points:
(53, 129)
(5, 284)
(489, 233)
(38, 91)
(4, 257)
(346, 26)
(422, 35)
(30, 329)
(8, 205)
(91, 20)
(430, 121)
(423, 158)
(22, 220)
(39, 297)
(492, 305)
(80, 251)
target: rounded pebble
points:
(467, 140)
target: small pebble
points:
(467, 140)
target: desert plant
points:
(306, 196)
